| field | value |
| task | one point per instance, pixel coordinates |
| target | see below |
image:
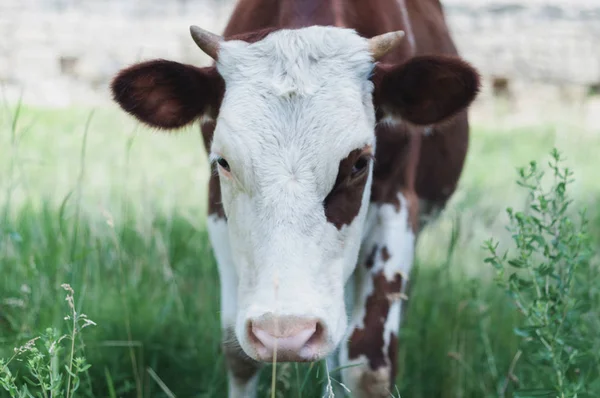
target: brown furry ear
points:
(167, 94)
(425, 89)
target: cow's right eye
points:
(223, 163)
(360, 166)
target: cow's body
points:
(414, 175)
(300, 216)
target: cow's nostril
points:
(251, 336)
(318, 336)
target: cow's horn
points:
(207, 41)
(383, 44)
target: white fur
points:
(296, 104)
(398, 237)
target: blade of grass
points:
(160, 383)
(109, 383)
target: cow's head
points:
(294, 147)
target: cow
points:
(335, 129)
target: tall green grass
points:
(117, 212)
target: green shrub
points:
(50, 373)
(549, 275)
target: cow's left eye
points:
(360, 166)
(223, 163)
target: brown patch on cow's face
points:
(369, 341)
(241, 365)
(345, 199)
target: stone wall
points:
(63, 52)
(553, 41)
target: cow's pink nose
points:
(294, 339)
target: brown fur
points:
(167, 94)
(368, 341)
(426, 89)
(343, 202)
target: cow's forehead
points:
(306, 88)
(297, 61)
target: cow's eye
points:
(223, 163)
(360, 166)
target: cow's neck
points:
(368, 18)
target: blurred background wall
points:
(64, 52)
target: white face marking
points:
(296, 104)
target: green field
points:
(93, 200)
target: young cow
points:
(322, 163)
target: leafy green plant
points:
(43, 359)
(549, 275)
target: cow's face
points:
(294, 148)
(294, 145)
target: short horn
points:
(383, 44)
(207, 41)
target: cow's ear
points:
(166, 94)
(425, 89)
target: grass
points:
(90, 199)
